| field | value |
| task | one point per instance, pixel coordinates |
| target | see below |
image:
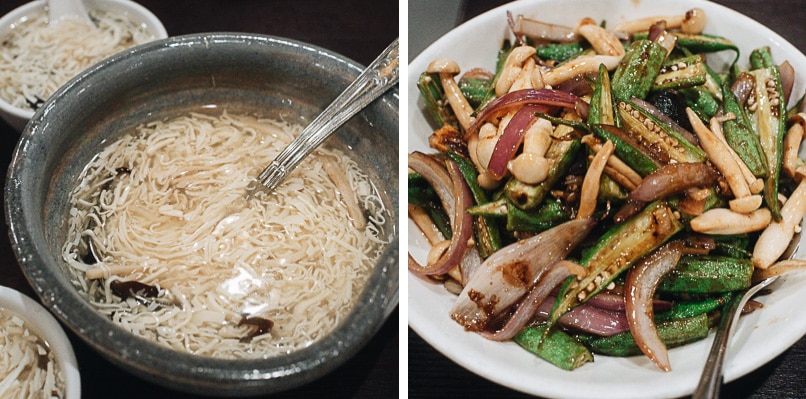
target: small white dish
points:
(758, 338)
(18, 117)
(45, 326)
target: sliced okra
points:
(551, 213)
(617, 250)
(766, 110)
(698, 274)
(561, 154)
(663, 142)
(497, 208)
(740, 135)
(681, 73)
(559, 51)
(761, 58)
(672, 333)
(474, 89)
(601, 110)
(687, 309)
(700, 43)
(435, 102)
(422, 194)
(637, 70)
(701, 101)
(555, 346)
(627, 148)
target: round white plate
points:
(758, 337)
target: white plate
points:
(759, 337)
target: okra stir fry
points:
(607, 190)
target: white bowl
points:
(758, 338)
(19, 117)
(45, 326)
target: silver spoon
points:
(381, 75)
(60, 9)
(711, 379)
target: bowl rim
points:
(240, 376)
(44, 325)
(151, 21)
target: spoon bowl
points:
(61, 9)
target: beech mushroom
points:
(447, 69)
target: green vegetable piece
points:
(761, 58)
(672, 333)
(550, 214)
(559, 51)
(708, 275)
(684, 310)
(663, 141)
(701, 101)
(681, 73)
(433, 95)
(637, 71)
(488, 238)
(474, 89)
(700, 43)
(561, 154)
(421, 193)
(497, 208)
(617, 250)
(601, 109)
(740, 135)
(633, 153)
(557, 347)
(766, 115)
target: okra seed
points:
(682, 65)
(674, 67)
(611, 286)
(598, 280)
(591, 286)
(774, 102)
(581, 296)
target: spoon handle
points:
(381, 74)
(711, 379)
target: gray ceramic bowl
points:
(281, 77)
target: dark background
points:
(357, 29)
(432, 375)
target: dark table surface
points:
(357, 29)
(432, 375)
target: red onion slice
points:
(587, 318)
(509, 142)
(508, 274)
(455, 199)
(640, 285)
(527, 308)
(518, 98)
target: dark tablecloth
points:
(431, 375)
(357, 29)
